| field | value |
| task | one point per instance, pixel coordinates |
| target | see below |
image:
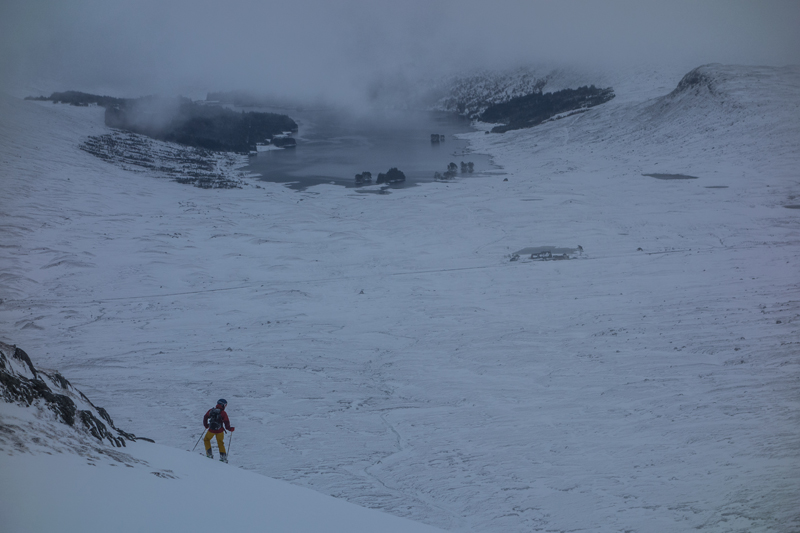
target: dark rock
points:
(22, 383)
(20, 355)
(184, 164)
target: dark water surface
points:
(333, 147)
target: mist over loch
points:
(333, 148)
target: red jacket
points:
(223, 416)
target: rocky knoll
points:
(23, 384)
(206, 169)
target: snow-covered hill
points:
(471, 94)
(384, 349)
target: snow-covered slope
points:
(470, 95)
(156, 488)
(58, 476)
(383, 349)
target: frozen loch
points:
(384, 349)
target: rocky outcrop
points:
(696, 80)
(202, 168)
(23, 384)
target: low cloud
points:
(343, 50)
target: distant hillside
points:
(533, 109)
(243, 99)
(517, 98)
(78, 98)
(472, 95)
(185, 122)
(182, 121)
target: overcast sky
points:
(339, 47)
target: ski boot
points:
(209, 453)
(223, 457)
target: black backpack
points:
(215, 419)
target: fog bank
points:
(343, 50)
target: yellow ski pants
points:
(220, 441)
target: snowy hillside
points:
(61, 476)
(471, 94)
(384, 349)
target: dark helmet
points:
(222, 402)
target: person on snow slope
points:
(216, 421)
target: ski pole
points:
(230, 439)
(198, 440)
